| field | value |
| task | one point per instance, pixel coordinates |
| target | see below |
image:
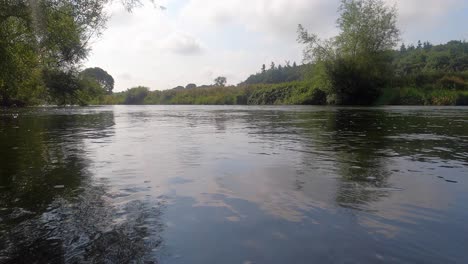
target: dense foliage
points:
(101, 77)
(429, 66)
(357, 62)
(279, 74)
(429, 74)
(256, 94)
(42, 45)
(220, 81)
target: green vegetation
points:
(356, 64)
(42, 44)
(200, 95)
(420, 96)
(430, 75)
(220, 81)
(295, 93)
(280, 74)
(256, 94)
(103, 79)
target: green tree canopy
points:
(45, 39)
(357, 62)
(190, 86)
(136, 95)
(104, 79)
(220, 81)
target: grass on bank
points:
(291, 93)
(419, 96)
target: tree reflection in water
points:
(359, 140)
(51, 208)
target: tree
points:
(220, 81)
(272, 66)
(104, 79)
(20, 75)
(403, 48)
(136, 95)
(263, 68)
(367, 26)
(191, 86)
(40, 40)
(419, 45)
(278, 75)
(427, 46)
(357, 62)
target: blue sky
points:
(194, 41)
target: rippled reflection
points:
(52, 210)
(186, 184)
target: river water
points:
(234, 184)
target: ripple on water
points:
(258, 184)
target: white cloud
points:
(280, 17)
(125, 76)
(182, 44)
(277, 17)
(427, 19)
(424, 10)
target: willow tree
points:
(18, 56)
(357, 63)
(42, 45)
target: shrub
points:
(453, 82)
(443, 97)
(412, 96)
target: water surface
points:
(234, 184)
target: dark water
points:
(181, 184)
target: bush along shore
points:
(292, 93)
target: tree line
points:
(277, 74)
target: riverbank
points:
(290, 93)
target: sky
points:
(195, 41)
